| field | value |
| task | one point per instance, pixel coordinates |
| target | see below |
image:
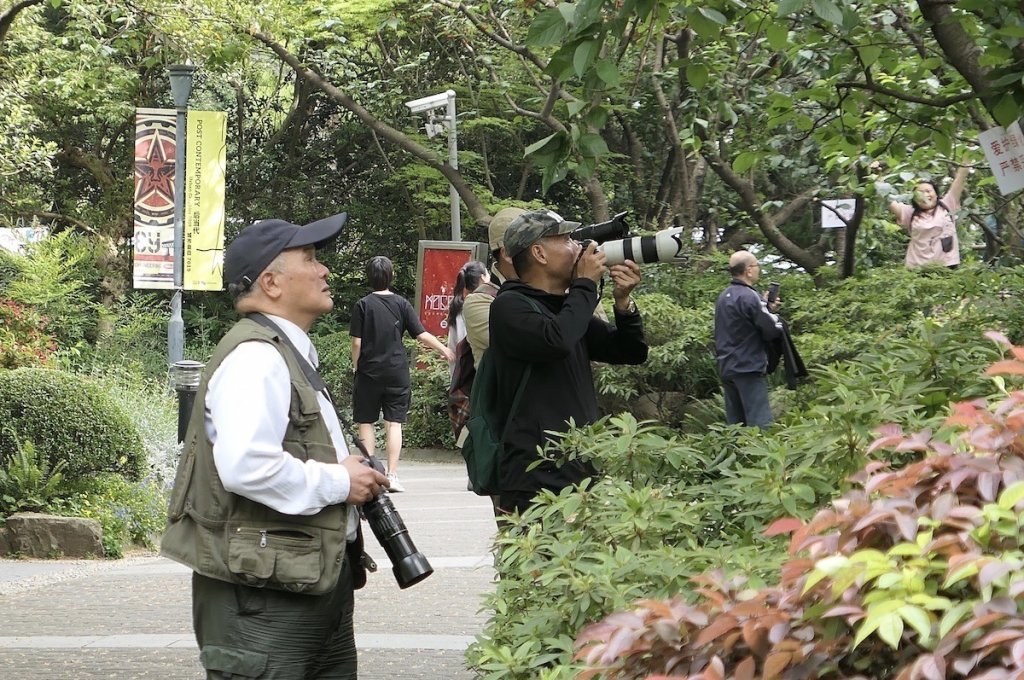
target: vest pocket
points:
(182, 480)
(283, 558)
(243, 663)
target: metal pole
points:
(181, 89)
(453, 160)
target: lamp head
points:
(181, 83)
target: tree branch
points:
(960, 49)
(906, 96)
(808, 258)
(7, 18)
(76, 157)
(521, 50)
(476, 208)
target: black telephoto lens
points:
(409, 565)
(614, 228)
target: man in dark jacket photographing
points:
(543, 327)
(744, 325)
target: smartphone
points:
(773, 292)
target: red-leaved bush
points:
(24, 340)
(915, 574)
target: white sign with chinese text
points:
(1004, 151)
(833, 212)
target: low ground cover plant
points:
(674, 505)
(914, 573)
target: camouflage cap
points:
(498, 225)
(530, 227)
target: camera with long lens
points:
(614, 241)
(409, 565)
(600, 232)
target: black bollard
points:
(185, 377)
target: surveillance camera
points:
(432, 102)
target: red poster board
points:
(437, 265)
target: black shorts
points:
(370, 396)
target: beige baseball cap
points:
(499, 223)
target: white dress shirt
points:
(246, 417)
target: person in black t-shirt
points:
(380, 362)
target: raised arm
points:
(959, 180)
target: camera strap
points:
(360, 559)
(316, 380)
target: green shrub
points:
(680, 364)
(130, 513)
(335, 352)
(914, 574)
(148, 403)
(69, 419)
(135, 334)
(60, 278)
(682, 504)
(428, 425)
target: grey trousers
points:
(746, 400)
(246, 632)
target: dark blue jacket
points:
(743, 329)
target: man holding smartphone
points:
(745, 323)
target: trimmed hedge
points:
(68, 418)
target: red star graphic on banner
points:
(155, 172)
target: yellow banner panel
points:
(205, 167)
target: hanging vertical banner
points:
(204, 200)
(155, 155)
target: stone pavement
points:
(131, 618)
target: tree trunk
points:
(475, 207)
(809, 258)
(960, 49)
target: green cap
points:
(530, 227)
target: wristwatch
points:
(630, 308)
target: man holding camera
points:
(543, 331)
(264, 502)
(744, 325)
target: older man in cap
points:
(264, 502)
(543, 327)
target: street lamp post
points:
(181, 89)
(185, 377)
(429, 105)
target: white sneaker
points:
(396, 486)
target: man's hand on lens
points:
(365, 482)
(591, 264)
(626, 277)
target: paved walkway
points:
(131, 618)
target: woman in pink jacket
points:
(931, 223)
